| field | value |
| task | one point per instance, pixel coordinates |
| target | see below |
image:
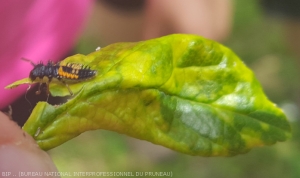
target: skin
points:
(19, 152)
(210, 19)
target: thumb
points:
(19, 153)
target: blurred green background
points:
(261, 44)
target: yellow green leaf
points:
(184, 92)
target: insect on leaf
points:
(184, 92)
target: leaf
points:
(184, 92)
(19, 82)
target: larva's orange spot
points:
(64, 74)
(60, 71)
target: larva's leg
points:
(47, 91)
(70, 91)
(39, 90)
(47, 85)
(29, 86)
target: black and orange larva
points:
(70, 72)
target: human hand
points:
(19, 153)
(208, 18)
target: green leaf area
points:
(184, 92)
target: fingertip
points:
(19, 152)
